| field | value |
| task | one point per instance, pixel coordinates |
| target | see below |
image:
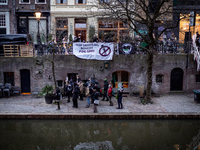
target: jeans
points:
(88, 100)
(119, 100)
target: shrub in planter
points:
(47, 92)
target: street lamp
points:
(38, 15)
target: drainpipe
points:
(14, 15)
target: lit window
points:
(40, 1)
(159, 78)
(80, 1)
(3, 2)
(61, 1)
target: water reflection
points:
(97, 134)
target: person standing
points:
(110, 95)
(81, 90)
(105, 90)
(96, 99)
(119, 97)
(78, 79)
(88, 93)
(64, 42)
(68, 91)
(75, 95)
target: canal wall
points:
(131, 67)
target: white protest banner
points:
(98, 51)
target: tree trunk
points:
(149, 77)
(53, 69)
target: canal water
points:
(98, 134)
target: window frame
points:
(61, 3)
(20, 2)
(159, 78)
(40, 2)
(80, 3)
(7, 20)
(6, 3)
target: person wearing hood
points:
(105, 90)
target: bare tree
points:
(137, 14)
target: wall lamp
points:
(106, 65)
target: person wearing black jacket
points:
(119, 97)
(105, 90)
(75, 95)
(68, 90)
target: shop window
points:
(111, 31)
(61, 1)
(9, 78)
(80, 1)
(3, 2)
(159, 78)
(24, 1)
(198, 78)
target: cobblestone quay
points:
(169, 106)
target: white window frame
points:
(20, 2)
(76, 2)
(7, 16)
(58, 2)
(6, 3)
(36, 2)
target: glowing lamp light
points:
(38, 15)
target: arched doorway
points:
(176, 83)
(25, 81)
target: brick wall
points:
(40, 69)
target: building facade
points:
(78, 17)
(7, 17)
(26, 21)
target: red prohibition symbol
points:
(104, 51)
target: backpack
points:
(113, 92)
(69, 88)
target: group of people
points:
(92, 91)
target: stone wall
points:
(40, 70)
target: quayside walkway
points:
(169, 106)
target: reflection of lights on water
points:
(105, 145)
(96, 132)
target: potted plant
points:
(47, 92)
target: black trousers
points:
(75, 103)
